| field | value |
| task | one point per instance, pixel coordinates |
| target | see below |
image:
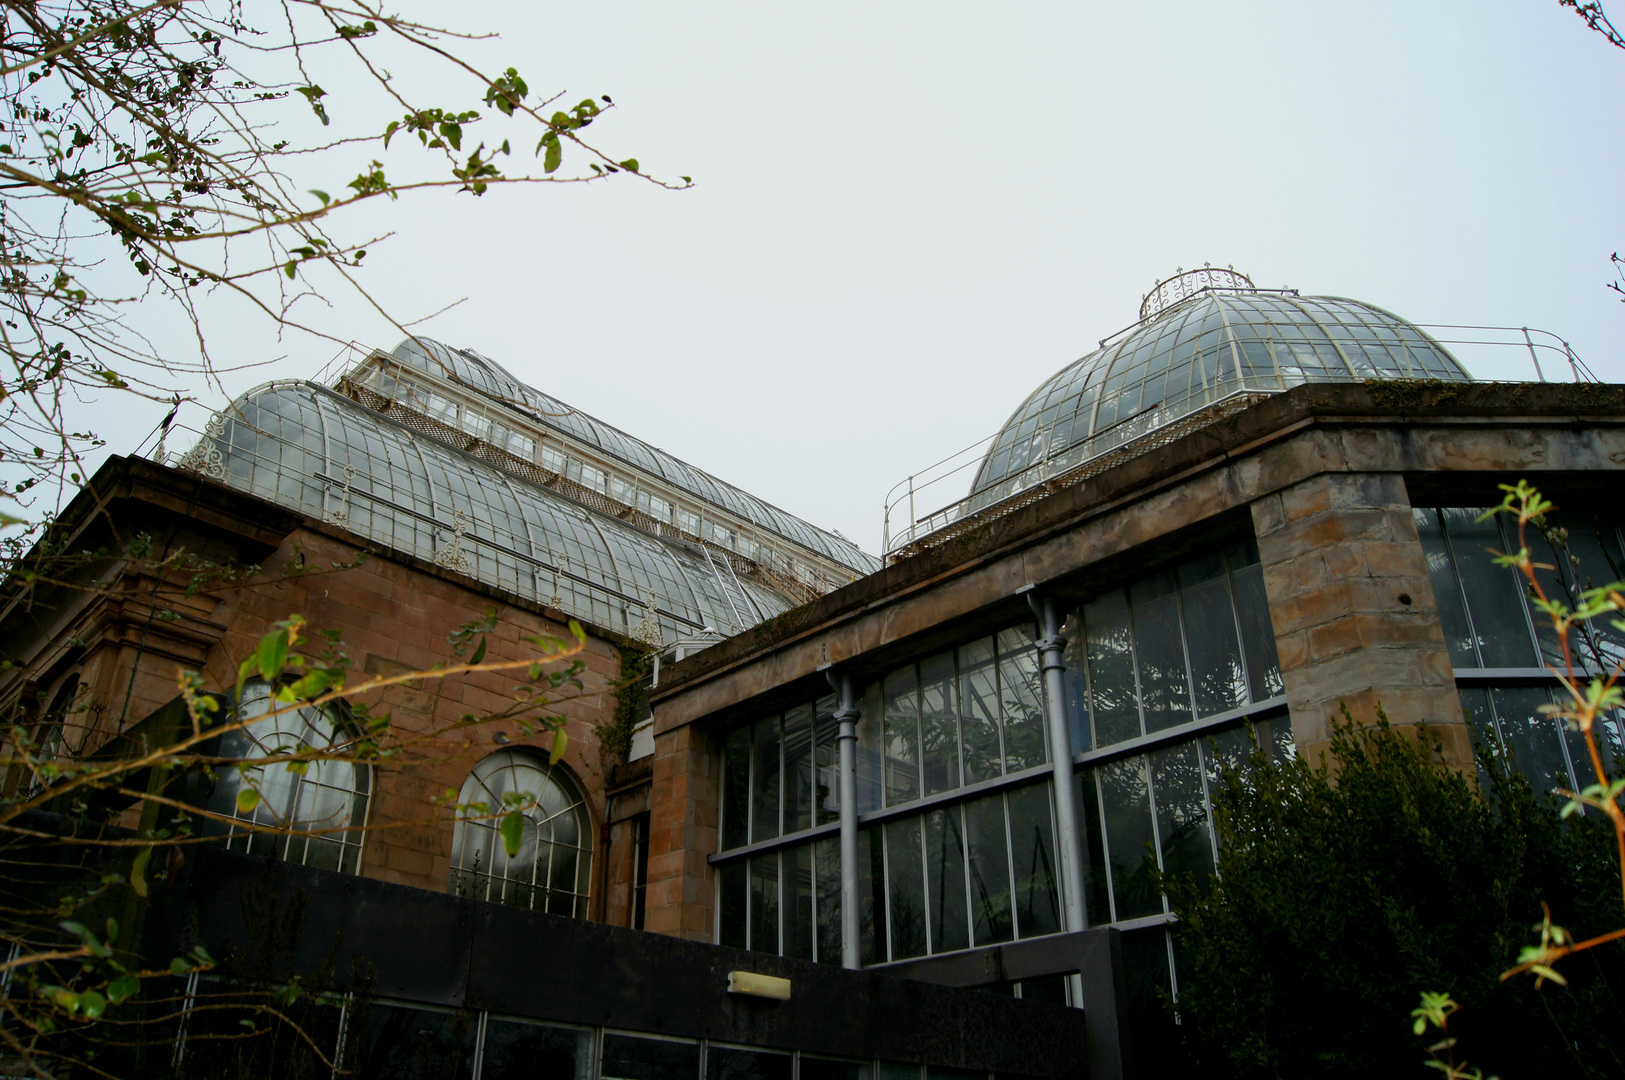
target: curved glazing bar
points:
(307, 449)
(485, 376)
(1194, 354)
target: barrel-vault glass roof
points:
(1196, 353)
(487, 377)
(311, 450)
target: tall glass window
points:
(957, 839)
(1503, 647)
(1173, 647)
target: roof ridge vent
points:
(1188, 283)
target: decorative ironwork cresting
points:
(1188, 283)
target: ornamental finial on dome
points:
(1187, 283)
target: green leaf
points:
(630, 164)
(314, 684)
(479, 651)
(138, 871)
(247, 799)
(322, 195)
(272, 654)
(92, 1004)
(513, 831)
(123, 988)
(560, 741)
(554, 157)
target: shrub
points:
(1344, 891)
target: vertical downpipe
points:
(846, 715)
(1051, 647)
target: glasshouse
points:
(819, 814)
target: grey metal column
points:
(846, 715)
(1051, 645)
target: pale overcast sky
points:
(906, 216)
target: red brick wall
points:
(392, 618)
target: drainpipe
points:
(846, 715)
(1051, 644)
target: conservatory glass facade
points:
(313, 451)
(957, 841)
(1196, 353)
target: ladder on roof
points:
(732, 590)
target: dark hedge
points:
(1344, 892)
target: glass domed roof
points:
(1195, 351)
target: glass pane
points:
(1021, 694)
(1183, 826)
(764, 809)
(1257, 633)
(939, 722)
(1458, 634)
(1610, 735)
(902, 736)
(989, 864)
(519, 1051)
(1494, 595)
(827, 854)
(764, 903)
(627, 1057)
(945, 880)
(798, 902)
(824, 1069)
(1076, 680)
(1113, 695)
(1032, 853)
(871, 902)
(906, 888)
(1159, 646)
(1531, 738)
(1129, 832)
(398, 1043)
(1217, 673)
(1093, 842)
(827, 794)
(979, 711)
(726, 1063)
(870, 722)
(731, 916)
(1475, 706)
(1597, 643)
(798, 769)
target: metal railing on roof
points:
(906, 530)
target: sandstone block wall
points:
(684, 805)
(1355, 618)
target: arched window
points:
(306, 810)
(554, 863)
